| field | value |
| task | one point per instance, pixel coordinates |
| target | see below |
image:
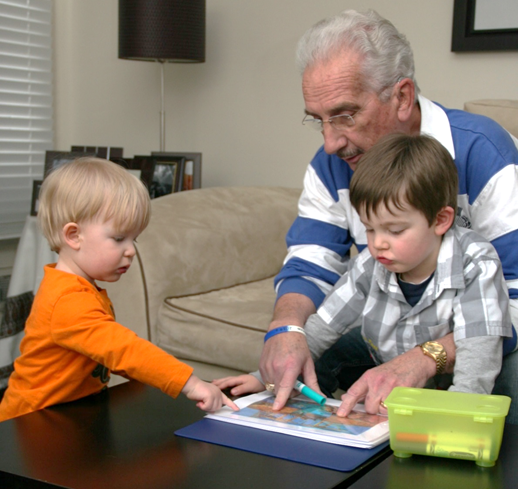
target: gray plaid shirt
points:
(467, 295)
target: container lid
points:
(430, 400)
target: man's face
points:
(335, 87)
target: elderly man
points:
(358, 85)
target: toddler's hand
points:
(208, 396)
(242, 384)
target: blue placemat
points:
(311, 452)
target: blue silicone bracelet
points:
(283, 329)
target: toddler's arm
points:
(208, 396)
(241, 384)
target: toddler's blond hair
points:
(91, 189)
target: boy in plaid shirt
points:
(420, 278)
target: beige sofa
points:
(505, 112)
(201, 285)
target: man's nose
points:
(334, 140)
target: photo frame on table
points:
(36, 186)
(54, 159)
(195, 177)
(162, 175)
(112, 153)
(485, 25)
(107, 152)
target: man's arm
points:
(318, 252)
(285, 356)
(411, 369)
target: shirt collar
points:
(435, 123)
(450, 262)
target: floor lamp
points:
(164, 31)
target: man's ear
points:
(405, 93)
(444, 220)
(71, 235)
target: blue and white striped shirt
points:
(327, 226)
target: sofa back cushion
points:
(505, 112)
(209, 239)
(224, 327)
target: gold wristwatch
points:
(437, 352)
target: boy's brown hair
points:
(91, 189)
(399, 169)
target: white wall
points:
(242, 107)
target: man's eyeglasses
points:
(338, 122)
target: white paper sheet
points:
(305, 418)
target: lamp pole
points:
(162, 106)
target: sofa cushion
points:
(505, 112)
(209, 239)
(224, 327)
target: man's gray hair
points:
(386, 52)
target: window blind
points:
(26, 115)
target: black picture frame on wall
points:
(466, 38)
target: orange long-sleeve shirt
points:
(71, 343)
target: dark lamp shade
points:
(162, 30)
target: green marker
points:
(308, 392)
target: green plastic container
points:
(446, 424)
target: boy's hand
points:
(208, 396)
(242, 384)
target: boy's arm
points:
(478, 363)
(80, 323)
(241, 384)
(207, 396)
(320, 336)
(481, 318)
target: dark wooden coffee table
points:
(124, 438)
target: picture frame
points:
(111, 153)
(162, 175)
(55, 159)
(36, 186)
(106, 152)
(196, 159)
(467, 35)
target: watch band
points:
(437, 352)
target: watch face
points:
(433, 347)
(437, 352)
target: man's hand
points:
(285, 356)
(411, 369)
